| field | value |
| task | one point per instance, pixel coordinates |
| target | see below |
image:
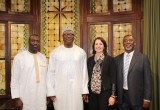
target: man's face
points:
(34, 44)
(68, 38)
(129, 43)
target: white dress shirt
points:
(125, 82)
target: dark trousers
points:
(126, 105)
(99, 101)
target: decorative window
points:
(99, 6)
(2, 60)
(20, 5)
(2, 78)
(2, 5)
(98, 31)
(56, 15)
(122, 5)
(19, 38)
(2, 41)
(119, 31)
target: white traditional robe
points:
(67, 77)
(23, 81)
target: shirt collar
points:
(130, 54)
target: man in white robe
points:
(67, 75)
(28, 79)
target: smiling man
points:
(134, 81)
(67, 75)
(28, 79)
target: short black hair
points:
(32, 35)
(104, 43)
(129, 35)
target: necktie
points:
(126, 67)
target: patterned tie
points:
(126, 67)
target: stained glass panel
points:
(55, 16)
(2, 40)
(2, 62)
(119, 31)
(99, 6)
(122, 5)
(20, 5)
(2, 5)
(19, 38)
(2, 78)
(98, 31)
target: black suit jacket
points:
(108, 73)
(139, 79)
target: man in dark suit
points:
(134, 80)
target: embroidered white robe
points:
(23, 80)
(67, 77)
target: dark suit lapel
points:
(92, 65)
(133, 61)
(122, 62)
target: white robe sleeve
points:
(15, 78)
(85, 75)
(51, 76)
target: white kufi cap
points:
(67, 29)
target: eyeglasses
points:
(65, 35)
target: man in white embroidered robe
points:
(67, 75)
(28, 79)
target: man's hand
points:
(53, 98)
(146, 104)
(111, 101)
(18, 103)
(85, 98)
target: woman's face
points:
(99, 47)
